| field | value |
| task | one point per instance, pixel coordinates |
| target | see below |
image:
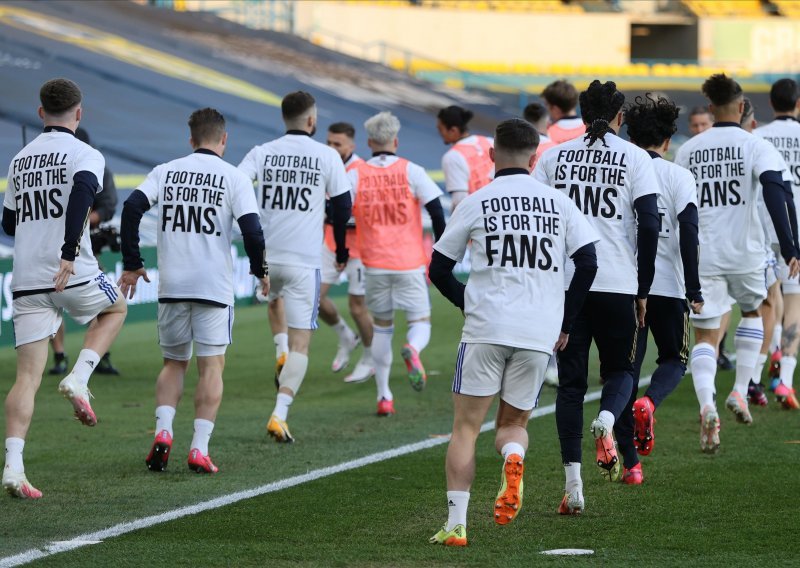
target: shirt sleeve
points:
(338, 182)
(643, 181)
(423, 187)
(8, 199)
(456, 172)
(579, 231)
(242, 198)
(151, 185)
(93, 162)
(249, 165)
(540, 171)
(766, 158)
(453, 243)
(684, 189)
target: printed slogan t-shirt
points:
(198, 198)
(726, 162)
(521, 232)
(40, 180)
(604, 181)
(293, 175)
(784, 134)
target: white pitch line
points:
(146, 522)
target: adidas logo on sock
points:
(90, 363)
(450, 503)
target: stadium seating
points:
(722, 8)
(549, 6)
(788, 8)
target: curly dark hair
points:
(721, 89)
(651, 120)
(600, 103)
(455, 116)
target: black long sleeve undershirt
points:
(79, 205)
(341, 209)
(435, 210)
(132, 211)
(441, 274)
(777, 201)
(792, 210)
(646, 241)
(690, 247)
(9, 221)
(254, 246)
(585, 259)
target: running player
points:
(198, 198)
(52, 184)
(294, 174)
(561, 100)
(784, 134)
(467, 166)
(389, 191)
(521, 233)
(341, 137)
(651, 123)
(700, 120)
(614, 185)
(728, 164)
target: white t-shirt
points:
(784, 134)
(422, 187)
(726, 162)
(521, 232)
(677, 192)
(455, 166)
(198, 196)
(40, 180)
(293, 174)
(604, 182)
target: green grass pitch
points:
(736, 508)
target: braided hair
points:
(600, 103)
(651, 120)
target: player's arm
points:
(9, 221)
(690, 252)
(456, 177)
(427, 192)
(79, 205)
(253, 236)
(341, 208)
(777, 201)
(105, 203)
(441, 274)
(436, 211)
(585, 259)
(792, 210)
(132, 263)
(646, 208)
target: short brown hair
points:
(561, 94)
(207, 125)
(59, 95)
(296, 104)
(343, 128)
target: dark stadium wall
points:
(666, 43)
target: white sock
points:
(202, 434)
(282, 403)
(281, 343)
(346, 335)
(14, 447)
(573, 473)
(512, 448)
(294, 372)
(759, 370)
(366, 356)
(788, 363)
(748, 340)
(457, 503)
(704, 368)
(164, 417)
(85, 365)
(418, 335)
(777, 332)
(382, 357)
(607, 418)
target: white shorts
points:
(771, 272)
(353, 271)
(407, 291)
(181, 323)
(484, 369)
(788, 285)
(299, 288)
(748, 290)
(39, 315)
